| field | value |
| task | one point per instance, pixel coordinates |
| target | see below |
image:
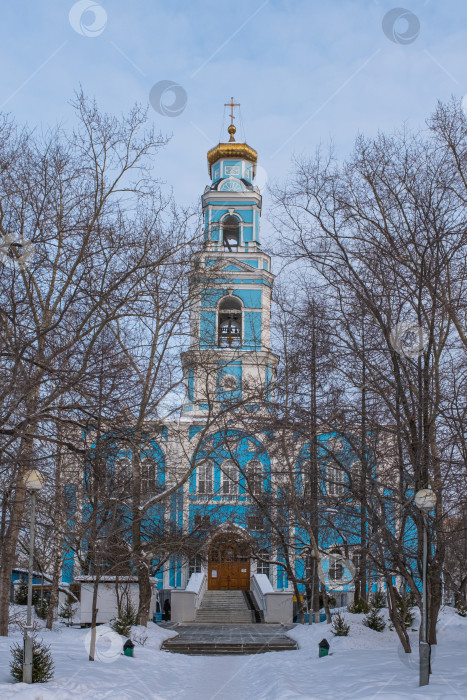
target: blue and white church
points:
(229, 359)
(229, 352)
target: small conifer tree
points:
(42, 663)
(461, 608)
(67, 610)
(358, 606)
(42, 608)
(339, 626)
(374, 621)
(123, 624)
(378, 600)
(21, 593)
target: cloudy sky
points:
(304, 71)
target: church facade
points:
(229, 354)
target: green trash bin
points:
(128, 648)
(323, 647)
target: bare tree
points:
(377, 232)
(79, 217)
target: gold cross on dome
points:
(232, 104)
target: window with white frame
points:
(231, 233)
(230, 313)
(205, 478)
(148, 475)
(255, 523)
(229, 478)
(122, 475)
(356, 559)
(254, 474)
(195, 565)
(262, 565)
(335, 481)
(356, 476)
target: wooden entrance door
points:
(229, 566)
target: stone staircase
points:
(225, 608)
(200, 640)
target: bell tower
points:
(230, 321)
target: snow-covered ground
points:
(366, 664)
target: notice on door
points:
(214, 573)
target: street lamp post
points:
(425, 500)
(34, 481)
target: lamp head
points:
(425, 499)
(33, 480)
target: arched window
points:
(230, 322)
(229, 478)
(148, 475)
(254, 474)
(231, 234)
(205, 480)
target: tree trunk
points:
(53, 601)
(92, 647)
(144, 595)
(324, 593)
(434, 598)
(9, 551)
(399, 624)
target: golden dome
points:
(231, 150)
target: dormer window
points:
(230, 323)
(231, 234)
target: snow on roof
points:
(110, 579)
(34, 573)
